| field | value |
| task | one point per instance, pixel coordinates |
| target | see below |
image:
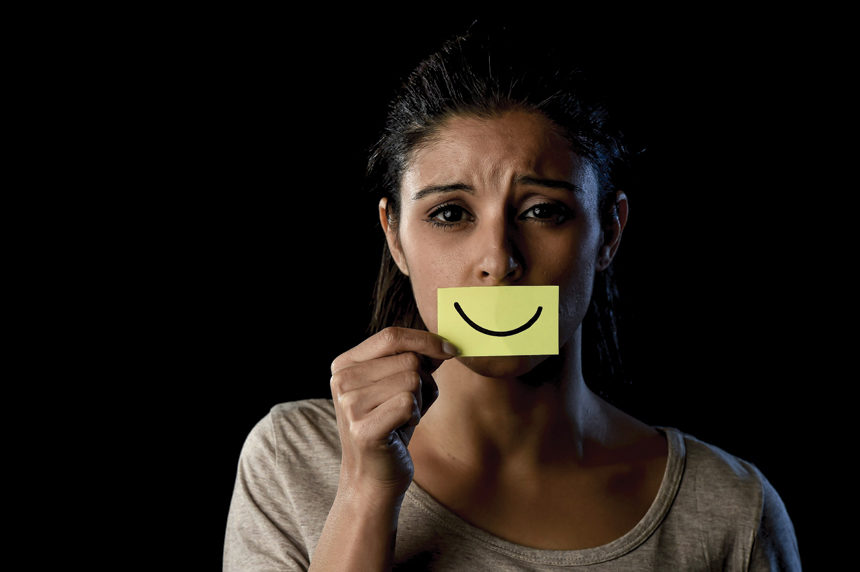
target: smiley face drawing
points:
(500, 320)
(525, 326)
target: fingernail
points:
(449, 348)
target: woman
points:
(494, 170)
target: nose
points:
(499, 259)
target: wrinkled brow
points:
(521, 180)
(443, 189)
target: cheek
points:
(576, 281)
(575, 297)
(425, 298)
(433, 264)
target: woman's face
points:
(499, 202)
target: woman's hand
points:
(380, 389)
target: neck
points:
(538, 418)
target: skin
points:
(518, 446)
(506, 244)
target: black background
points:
(260, 253)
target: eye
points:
(448, 215)
(547, 212)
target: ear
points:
(612, 231)
(391, 237)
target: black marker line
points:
(525, 326)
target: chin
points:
(503, 366)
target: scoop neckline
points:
(624, 544)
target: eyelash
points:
(556, 210)
(442, 208)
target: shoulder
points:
(309, 418)
(285, 484)
(296, 432)
(725, 486)
(735, 503)
(714, 471)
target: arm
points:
(775, 544)
(359, 534)
(378, 398)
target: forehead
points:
(491, 150)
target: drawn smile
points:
(525, 326)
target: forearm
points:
(358, 535)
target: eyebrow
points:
(443, 189)
(551, 183)
(521, 180)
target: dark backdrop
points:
(266, 248)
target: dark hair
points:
(483, 73)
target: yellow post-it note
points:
(500, 320)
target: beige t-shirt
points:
(713, 511)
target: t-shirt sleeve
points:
(775, 543)
(262, 534)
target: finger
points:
(360, 402)
(394, 340)
(367, 372)
(396, 413)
